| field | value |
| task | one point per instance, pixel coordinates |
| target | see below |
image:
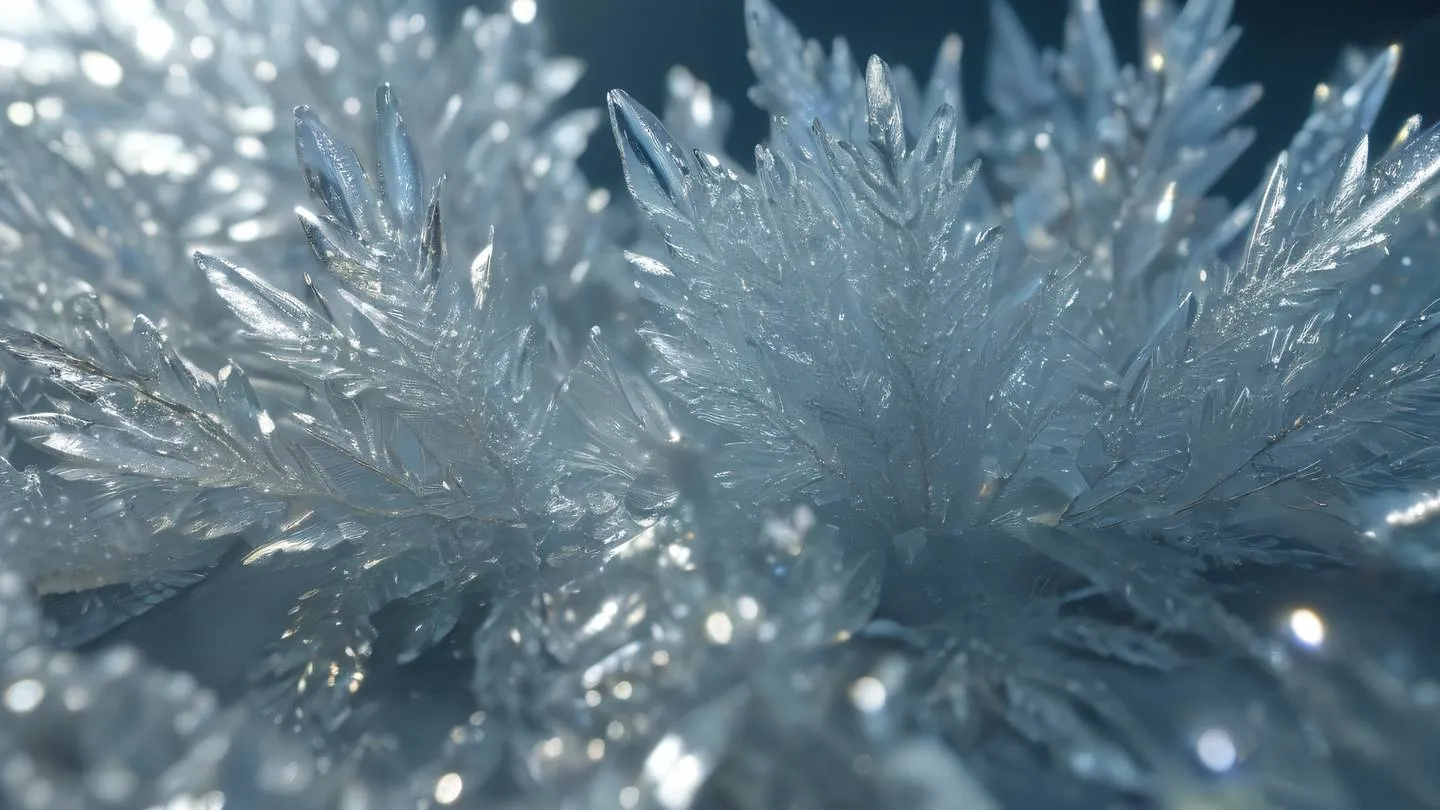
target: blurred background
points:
(1288, 46)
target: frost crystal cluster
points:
(915, 463)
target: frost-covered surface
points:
(913, 463)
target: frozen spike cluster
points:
(923, 459)
(423, 390)
(211, 163)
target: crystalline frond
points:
(468, 370)
(96, 560)
(147, 415)
(399, 426)
(799, 84)
(166, 463)
(1083, 157)
(798, 79)
(426, 391)
(176, 459)
(839, 318)
(213, 160)
(1342, 110)
(1116, 162)
(1257, 360)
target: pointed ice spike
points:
(1088, 45)
(653, 161)
(1367, 95)
(400, 178)
(317, 301)
(89, 323)
(432, 242)
(334, 175)
(268, 312)
(1349, 184)
(887, 127)
(127, 450)
(1200, 24)
(1267, 217)
(159, 367)
(1414, 171)
(1156, 18)
(55, 360)
(944, 86)
(776, 54)
(1339, 115)
(481, 270)
(1015, 80)
(239, 405)
(935, 151)
(1216, 113)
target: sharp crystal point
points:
(651, 158)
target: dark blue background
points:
(1288, 45)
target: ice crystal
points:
(355, 427)
(916, 463)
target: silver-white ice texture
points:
(913, 463)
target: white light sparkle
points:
(1216, 750)
(1307, 627)
(448, 788)
(524, 11)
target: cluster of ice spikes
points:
(918, 464)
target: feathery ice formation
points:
(916, 463)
